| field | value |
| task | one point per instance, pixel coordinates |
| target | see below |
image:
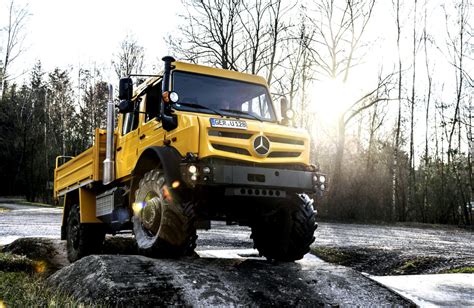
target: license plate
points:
(223, 123)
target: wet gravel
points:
(141, 281)
(395, 250)
(17, 221)
(375, 249)
(222, 236)
(427, 241)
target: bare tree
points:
(252, 20)
(299, 70)
(396, 200)
(277, 28)
(456, 45)
(130, 57)
(92, 104)
(339, 27)
(240, 35)
(412, 178)
(17, 17)
(370, 99)
(339, 31)
(208, 33)
(426, 41)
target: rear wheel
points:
(285, 232)
(163, 224)
(82, 239)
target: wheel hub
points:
(75, 235)
(151, 213)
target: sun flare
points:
(330, 98)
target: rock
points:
(53, 251)
(141, 281)
(50, 251)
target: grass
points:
(332, 255)
(461, 270)
(387, 262)
(23, 202)
(409, 265)
(15, 263)
(22, 284)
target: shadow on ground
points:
(383, 262)
(141, 281)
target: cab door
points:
(151, 130)
(126, 152)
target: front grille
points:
(255, 192)
(284, 154)
(227, 148)
(229, 134)
(286, 140)
(259, 150)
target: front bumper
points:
(227, 175)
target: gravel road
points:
(449, 242)
(18, 221)
(365, 248)
(395, 250)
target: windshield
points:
(228, 97)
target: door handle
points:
(142, 136)
(119, 148)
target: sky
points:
(76, 33)
(69, 33)
(86, 32)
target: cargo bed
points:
(83, 169)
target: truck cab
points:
(191, 145)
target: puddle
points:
(432, 290)
(229, 253)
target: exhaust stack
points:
(109, 162)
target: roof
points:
(204, 70)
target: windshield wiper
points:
(242, 112)
(194, 105)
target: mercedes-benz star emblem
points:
(261, 144)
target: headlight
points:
(174, 97)
(206, 170)
(323, 187)
(192, 169)
(322, 179)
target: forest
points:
(388, 107)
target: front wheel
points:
(82, 239)
(162, 224)
(285, 231)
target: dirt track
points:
(375, 249)
(18, 221)
(392, 250)
(227, 259)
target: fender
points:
(168, 157)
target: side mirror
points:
(170, 97)
(287, 114)
(126, 89)
(125, 106)
(290, 114)
(283, 106)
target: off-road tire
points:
(285, 232)
(173, 231)
(82, 239)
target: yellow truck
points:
(191, 145)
